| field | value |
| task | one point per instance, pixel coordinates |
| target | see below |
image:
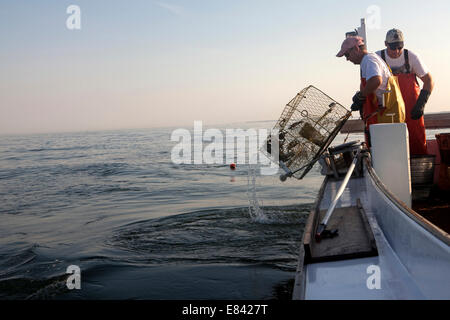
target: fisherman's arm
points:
(371, 86)
(428, 83)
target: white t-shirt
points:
(372, 65)
(417, 67)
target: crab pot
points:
(443, 141)
(422, 169)
(422, 175)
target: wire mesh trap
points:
(307, 126)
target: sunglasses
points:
(395, 46)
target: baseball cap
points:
(349, 43)
(394, 35)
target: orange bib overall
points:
(410, 92)
(370, 109)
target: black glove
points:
(417, 111)
(358, 101)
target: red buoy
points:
(232, 166)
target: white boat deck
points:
(347, 279)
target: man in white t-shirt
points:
(407, 66)
(375, 75)
(373, 70)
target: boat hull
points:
(413, 260)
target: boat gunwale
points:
(416, 217)
(304, 253)
(311, 223)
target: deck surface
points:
(354, 238)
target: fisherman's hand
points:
(417, 111)
(358, 101)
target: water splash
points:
(254, 209)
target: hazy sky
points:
(139, 64)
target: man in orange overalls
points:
(407, 66)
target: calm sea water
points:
(140, 226)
